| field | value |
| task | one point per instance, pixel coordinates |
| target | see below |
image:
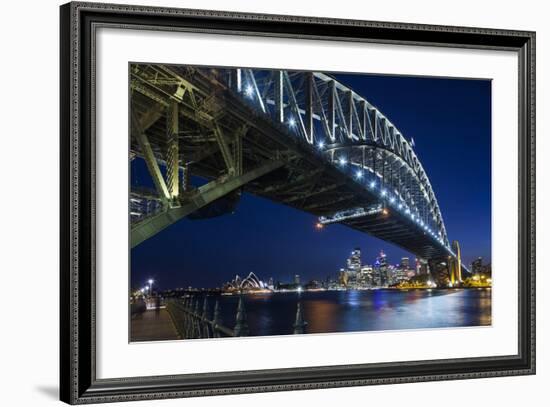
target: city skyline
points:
(271, 239)
(353, 262)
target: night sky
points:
(450, 122)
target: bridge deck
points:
(152, 325)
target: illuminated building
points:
(477, 266)
(391, 274)
(382, 269)
(250, 283)
(367, 276)
(401, 273)
(421, 267)
(354, 261)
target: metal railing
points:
(192, 320)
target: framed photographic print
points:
(257, 203)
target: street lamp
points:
(151, 281)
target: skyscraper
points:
(382, 264)
(421, 266)
(353, 269)
(367, 276)
(354, 261)
(477, 266)
(402, 271)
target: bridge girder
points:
(201, 197)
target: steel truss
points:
(350, 132)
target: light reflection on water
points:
(372, 310)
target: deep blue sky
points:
(450, 121)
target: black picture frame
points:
(78, 382)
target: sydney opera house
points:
(250, 283)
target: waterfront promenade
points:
(152, 325)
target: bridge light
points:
(408, 211)
(342, 161)
(248, 91)
(319, 226)
(359, 174)
(385, 211)
(321, 144)
(392, 199)
(400, 206)
(372, 184)
(383, 193)
(292, 122)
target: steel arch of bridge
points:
(350, 132)
(302, 122)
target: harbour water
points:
(361, 310)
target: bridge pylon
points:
(455, 265)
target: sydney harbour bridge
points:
(297, 138)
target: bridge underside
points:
(222, 140)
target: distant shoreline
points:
(261, 292)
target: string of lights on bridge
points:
(359, 176)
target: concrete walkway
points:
(152, 325)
